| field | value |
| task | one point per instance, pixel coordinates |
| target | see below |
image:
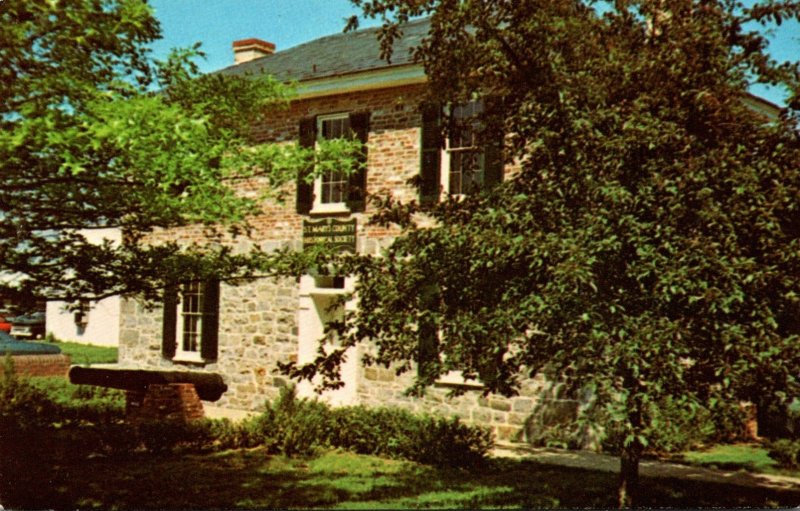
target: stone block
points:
(499, 417)
(517, 419)
(501, 405)
(481, 416)
(524, 405)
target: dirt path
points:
(648, 468)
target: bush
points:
(678, 428)
(23, 406)
(86, 420)
(786, 452)
(440, 441)
(85, 403)
(292, 426)
(397, 433)
(378, 431)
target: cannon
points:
(209, 386)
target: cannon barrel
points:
(209, 386)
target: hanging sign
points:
(339, 234)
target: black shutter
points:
(357, 186)
(430, 166)
(210, 327)
(170, 322)
(428, 342)
(305, 190)
(494, 137)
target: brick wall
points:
(393, 158)
(170, 402)
(40, 365)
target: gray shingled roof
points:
(335, 55)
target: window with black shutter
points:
(334, 191)
(463, 159)
(191, 321)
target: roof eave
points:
(381, 78)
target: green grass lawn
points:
(749, 457)
(87, 354)
(253, 479)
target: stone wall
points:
(506, 416)
(257, 329)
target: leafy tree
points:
(647, 248)
(86, 144)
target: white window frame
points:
(182, 354)
(329, 207)
(444, 170)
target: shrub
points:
(678, 427)
(786, 452)
(23, 406)
(230, 435)
(85, 403)
(440, 441)
(85, 420)
(378, 431)
(398, 433)
(562, 436)
(293, 426)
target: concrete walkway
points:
(648, 468)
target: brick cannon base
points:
(172, 402)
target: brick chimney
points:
(246, 50)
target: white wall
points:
(101, 325)
(313, 312)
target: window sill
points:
(321, 291)
(336, 208)
(454, 379)
(189, 358)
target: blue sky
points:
(217, 23)
(287, 23)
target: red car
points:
(5, 326)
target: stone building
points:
(242, 332)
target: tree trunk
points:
(631, 451)
(629, 474)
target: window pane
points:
(334, 187)
(191, 316)
(466, 171)
(334, 184)
(335, 128)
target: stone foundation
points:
(170, 402)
